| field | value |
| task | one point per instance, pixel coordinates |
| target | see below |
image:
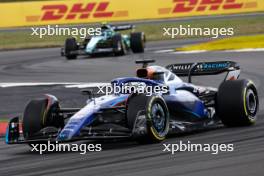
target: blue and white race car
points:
(145, 118)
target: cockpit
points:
(106, 31)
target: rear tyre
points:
(237, 103)
(156, 112)
(70, 46)
(118, 45)
(137, 42)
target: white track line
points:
(227, 51)
(203, 51)
(87, 85)
(22, 84)
(164, 51)
(66, 84)
(246, 50)
(190, 52)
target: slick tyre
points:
(38, 115)
(237, 103)
(70, 46)
(34, 116)
(137, 42)
(118, 45)
(156, 113)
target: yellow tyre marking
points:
(155, 135)
(153, 131)
(245, 107)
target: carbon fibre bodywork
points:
(190, 107)
(110, 41)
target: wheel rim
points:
(251, 102)
(158, 117)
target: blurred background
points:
(18, 16)
(31, 66)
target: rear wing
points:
(123, 27)
(206, 68)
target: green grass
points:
(24, 39)
(242, 42)
(242, 26)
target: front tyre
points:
(34, 117)
(39, 114)
(118, 45)
(70, 47)
(237, 103)
(156, 113)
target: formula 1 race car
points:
(146, 118)
(110, 41)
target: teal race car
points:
(111, 41)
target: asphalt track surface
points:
(127, 157)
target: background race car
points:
(110, 41)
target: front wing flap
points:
(14, 134)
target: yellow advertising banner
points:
(87, 11)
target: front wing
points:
(14, 134)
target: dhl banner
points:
(87, 11)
